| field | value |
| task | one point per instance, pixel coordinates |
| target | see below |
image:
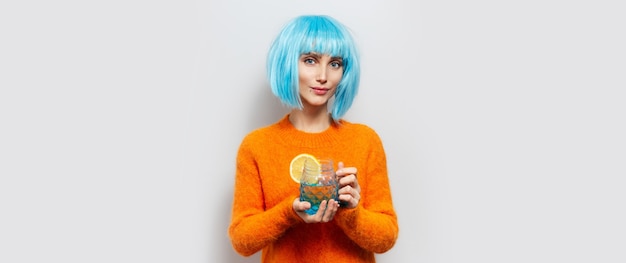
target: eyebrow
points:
(317, 55)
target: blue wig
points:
(313, 34)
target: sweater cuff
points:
(288, 212)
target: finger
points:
(347, 180)
(348, 201)
(350, 180)
(301, 206)
(327, 211)
(331, 209)
(341, 169)
(320, 211)
(345, 171)
(346, 190)
(349, 196)
(304, 206)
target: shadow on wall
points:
(264, 109)
(228, 254)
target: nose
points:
(321, 76)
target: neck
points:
(310, 121)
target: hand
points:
(349, 189)
(325, 213)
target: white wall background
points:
(503, 122)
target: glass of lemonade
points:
(318, 183)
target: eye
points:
(308, 61)
(336, 64)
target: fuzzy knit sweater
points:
(262, 213)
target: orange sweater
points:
(262, 214)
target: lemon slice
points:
(297, 164)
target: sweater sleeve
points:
(252, 227)
(373, 223)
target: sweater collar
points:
(292, 136)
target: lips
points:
(320, 91)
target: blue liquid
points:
(315, 194)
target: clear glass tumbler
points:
(318, 183)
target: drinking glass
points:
(318, 183)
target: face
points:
(319, 76)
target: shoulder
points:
(360, 133)
(254, 143)
(363, 138)
(257, 136)
(359, 128)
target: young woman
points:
(313, 67)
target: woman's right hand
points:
(325, 213)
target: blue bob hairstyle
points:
(313, 34)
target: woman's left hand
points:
(349, 189)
